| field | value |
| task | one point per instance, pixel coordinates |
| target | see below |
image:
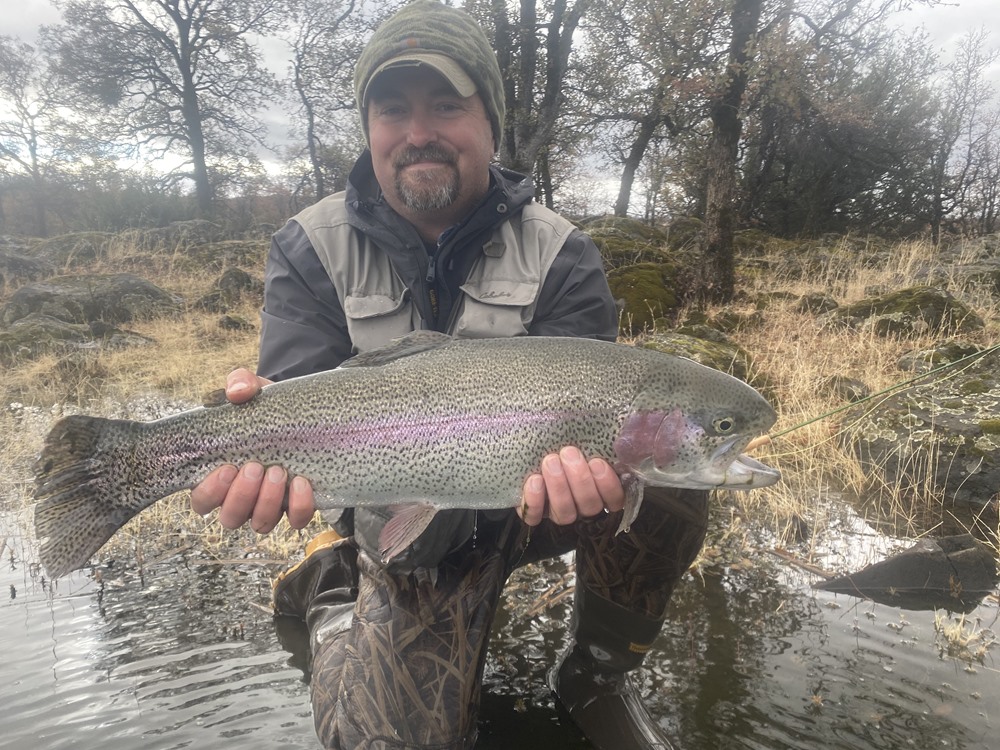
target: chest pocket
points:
(500, 293)
(373, 320)
(495, 308)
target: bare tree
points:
(326, 41)
(533, 45)
(965, 130)
(29, 128)
(179, 77)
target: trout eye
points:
(724, 425)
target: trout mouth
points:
(721, 470)
(742, 471)
(750, 474)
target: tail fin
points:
(78, 493)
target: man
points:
(429, 234)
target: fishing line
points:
(768, 439)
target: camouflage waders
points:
(401, 667)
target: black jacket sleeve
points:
(303, 327)
(575, 299)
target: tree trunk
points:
(531, 118)
(647, 127)
(718, 279)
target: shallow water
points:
(751, 657)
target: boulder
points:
(940, 434)
(685, 232)
(907, 312)
(625, 242)
(721, 355)
(112, 298)
(953, 573)
(644, 292)
(74, 249)
(37, 333)
(229, 290)
(218, 256)
(17, 269)
(816, 303)
(943, 353)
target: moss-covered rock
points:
(230, 289)
(37, 333)
(112, 298)
(645, 292)
(943, 353)
(17, 269)
(75, 249)
(908, 312)
(218, 256)
(721, 355)
(685, 232)
(624, 242)
(816, 303)
(936, 435)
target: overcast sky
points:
(946, 22)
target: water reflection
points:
(751, 657)
(184, 660)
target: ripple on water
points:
(165, 666)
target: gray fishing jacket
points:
(307, 323)
(349, 274)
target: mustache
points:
(415, 155)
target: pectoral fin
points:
(407, 523)
(633, 501)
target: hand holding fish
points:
(572, 488)
(568, 487)
(252, 493)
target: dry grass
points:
(189, 357)
(959, 638)
(798, 355)
(192, 354)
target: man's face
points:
(431, 148)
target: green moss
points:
(685, 232)
(973, 387)
(990, 426)
(909, 311)
(724, 356)
(646, 291)
(623, 241)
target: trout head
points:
(698, 449)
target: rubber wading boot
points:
(314, 600)
(624, 582)
(591, 679)
(330, 562)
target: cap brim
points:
(450, 70)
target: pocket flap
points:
(361, 306)
(498, 292)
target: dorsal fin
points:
(404, 346)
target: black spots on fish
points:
(77, 488)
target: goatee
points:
(426, 190)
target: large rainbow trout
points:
(428, 422)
